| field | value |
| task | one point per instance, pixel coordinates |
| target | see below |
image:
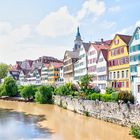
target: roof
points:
(125, 38)
(99, 46)
(72, 54)
(56, 65)
(105, 53)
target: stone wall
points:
(107, 111)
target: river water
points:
(29, 121)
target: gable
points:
(117, 42)
(134, 37)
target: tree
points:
(27, 92)
(10, 87)
(44, 94)
(84, 82)
(3, 70)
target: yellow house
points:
(118, 63)
(53, 72)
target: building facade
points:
(53, 72)
(44, 74)
(80, 67)
(134, 51)
(102, 70)
(118, 63)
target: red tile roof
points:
(57, 65)
(125, 38)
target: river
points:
(27, 121)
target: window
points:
(118, 74)
(121, 50)
(139, 57)
(135, 68)
(122, 74)
(114, 75)
(127, 84)
(110, 75)
(122, 84)
(126, 60)
(126, 73)
(136, 36)
(138, 88)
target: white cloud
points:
(10, 41)
(58, 23)
(91, 6)
(61, 22)
(115, 9)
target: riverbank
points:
(107, 111)
(66, 125)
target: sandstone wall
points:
(107, 111)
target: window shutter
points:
(122, 49)
(118, 50)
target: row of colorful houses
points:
(114, 63)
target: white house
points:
(102, 70)
(134, 53)
(92, 62)
(93, 55)
(80, 67)
(44, 74)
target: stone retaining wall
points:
(107, 111)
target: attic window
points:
(116, 42)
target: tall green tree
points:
(3, 70)
(10, 87)
(84, 82)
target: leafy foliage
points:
(105, 97)
(84, 83)
(44, 94)
(126, 96)
(109, 90)
(9, 87)
(3, 70)
(135, 131)
(114, 96)
(93, 96)
(66, 89)
(27, 92)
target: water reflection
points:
(19, 126)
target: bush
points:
(114, 96)
(93, 96)
(135, 131)
(44, 94)
(105, 97)
(126, 96)
(9, 87)
(27, 92)
(66, 89)
(1, 90)
(109, 90)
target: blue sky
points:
(32, 28)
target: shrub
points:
(93, 96)
(27, 92)
(66, 89)
(1, 90)
(105, 97)
(135, 131)
(109, 90)
(9, 87)
(44, 94)
(126, 96)
(114, 96)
